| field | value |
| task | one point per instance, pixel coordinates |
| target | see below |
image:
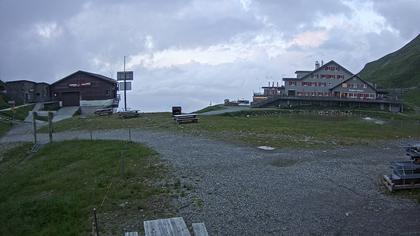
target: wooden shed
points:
(85, 89)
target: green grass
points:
(3, 102)
(211, 108)
(400, 69)
(413, 97)
(4, 127)
(54, 191)
(20, 113)
(277, 128)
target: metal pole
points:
(96, 222)
(34, 123)
(122, 164)
(125, 89)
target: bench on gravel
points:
(186, 118)
(170, 227)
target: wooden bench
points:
(186, 118)
(103, 112)
(170, 227)
(128, 114)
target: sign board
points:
(121, 86)
(80, 85)
(128, 75)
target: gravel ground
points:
(240, 190)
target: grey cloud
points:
(403, 15)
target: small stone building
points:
(25, 91)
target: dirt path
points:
(239, 190)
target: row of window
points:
(346, 85)
(319, 94)
(358, 95)
(310, 84)
(342, 95)
(332, 68)
(327, 76)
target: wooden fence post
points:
(34, 114)
(50, 128)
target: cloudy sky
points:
(196, 52)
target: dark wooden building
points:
(25, 91)
(85, 89)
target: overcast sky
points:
(193, 52)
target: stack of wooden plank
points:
(104, 112)
(186, 118)
(170, 227)
(128, 114)
(405, 174)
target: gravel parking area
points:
(240, 190)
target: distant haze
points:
(195, 52)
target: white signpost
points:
(126, 87)
(128, 75)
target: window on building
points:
(344, 85)
(107, 92)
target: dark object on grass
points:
(186, 118)
(104, 112)
(176, 111)
(128, 114)
(405, 174)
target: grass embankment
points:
(413, 97)
(275, 128)
(20, 113)
(211, 108)
(54, 191)
(4, 127)
(3, 102)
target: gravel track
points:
(240, 190)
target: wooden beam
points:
(166, 227)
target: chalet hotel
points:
(328, 84)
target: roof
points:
(275, 87)
(20, 81)
(23, 81)
(320, 68)
(355, 76)
(308, 71)
(102, 77)
(291, 78)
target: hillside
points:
(400, 69)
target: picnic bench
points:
(128, 114)
(170, 227)
(186, 118)
(104, 112)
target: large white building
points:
(328, 84)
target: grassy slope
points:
(3, 103)
(211, 108)
(274, 128)
(4, 127)
(20, 113)
(400, 69)
(54, 191)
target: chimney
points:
(277, 84)
(322, 62)
(268, 83)
(316, 65)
